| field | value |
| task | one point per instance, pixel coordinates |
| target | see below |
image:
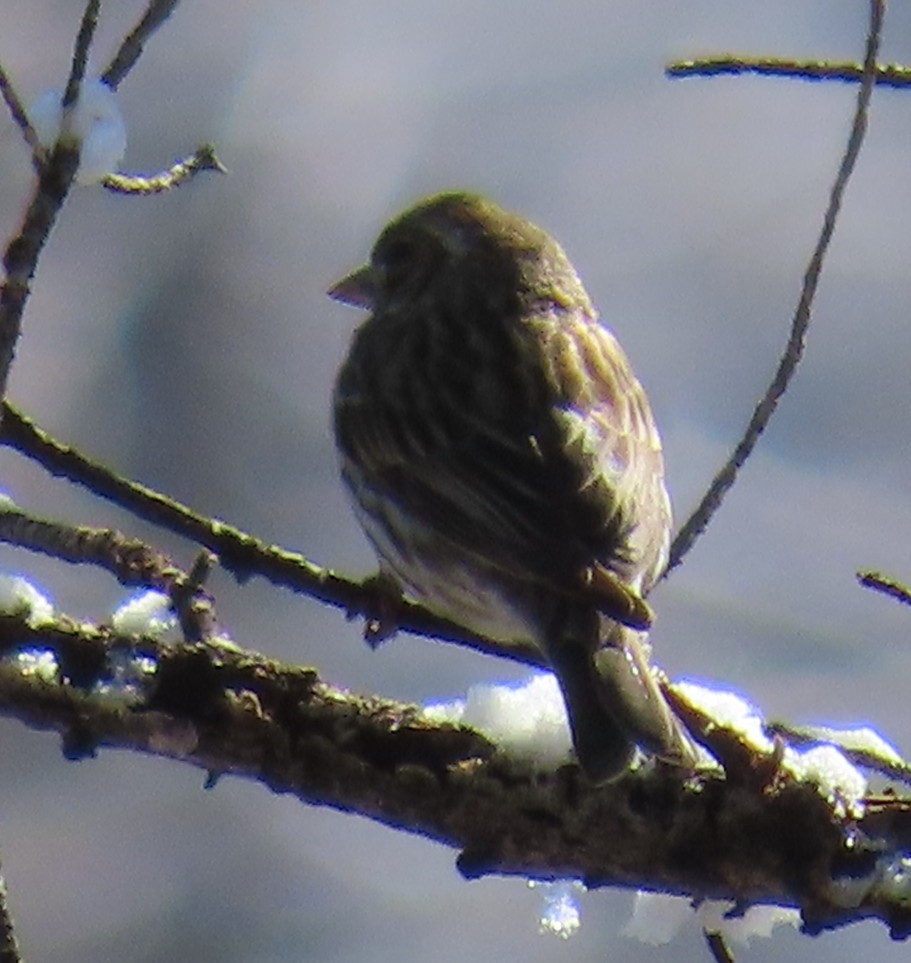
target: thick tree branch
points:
(749, 838)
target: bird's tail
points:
(630, 692)
(603, 748)
(614, 704)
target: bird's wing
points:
(607, 432)
(570, 495)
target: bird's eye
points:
(399, 253)
(403, 263)
(400, 261)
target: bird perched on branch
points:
(504, 463)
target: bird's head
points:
(462, 249)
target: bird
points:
(503, 460)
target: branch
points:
(886, 75)
(696, 524)
(868, 755)
(20, 118)
(888, 586)
(131, 49)
(57, 172)
(9, 947)
(80, 58)
(238, 552)
(194, 607)
(131, 561)
(718, 947)
(202, 159)
(55, 178)
(227, 711)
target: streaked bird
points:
(504, 463)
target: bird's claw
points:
(382, 609)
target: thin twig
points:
(888, 586)
(239, 553)
(20, 118)
(887, 75)
(21, 256)
(722, 482)
(54, 182)
(867, 758)
(193, 606)
(202, 159)
(9, 946)
(721, 952)
(131, 49)
(80, 58)
(131, 561)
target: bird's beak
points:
(357, 288)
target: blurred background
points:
(186, 341)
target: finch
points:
(503, 461)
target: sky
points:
(187, 341)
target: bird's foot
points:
(382, 609)
(617, 600)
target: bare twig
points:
(888, 586)
(722, 482)
(9, 946)
(20, 118)
(194, 608)
(129, 560)
(887, 75)
(21, 256)
(131, 49)
(56, 174)
(202, 159)
(719, 949)
(54, 182)
(867, 758)
(80, 58)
